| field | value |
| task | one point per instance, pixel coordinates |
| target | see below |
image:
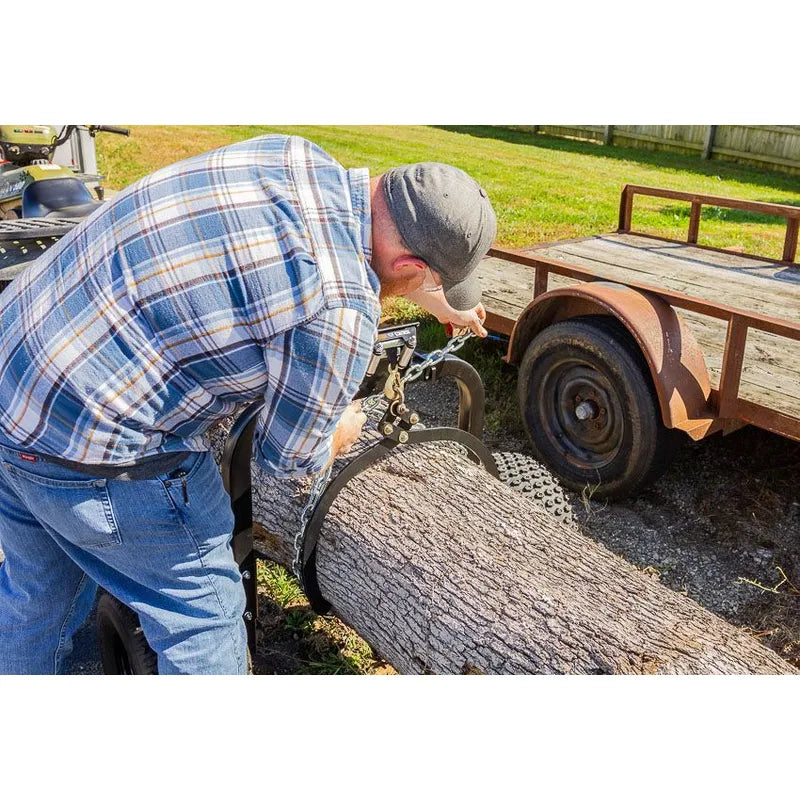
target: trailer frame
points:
(722, 408)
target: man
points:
(253, 271)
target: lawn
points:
(542, 188)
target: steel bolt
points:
(387, 429)
(414, 418)
(248, 615)
(402, 437)
(586, 410)
(246, 575)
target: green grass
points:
(315, 645)
(282, 588)
(543, 188)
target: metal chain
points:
(317, 488)
(436, 356)
(369, 405)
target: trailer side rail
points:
(790, 213)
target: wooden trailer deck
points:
(771, 365)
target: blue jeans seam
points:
(67, 616)
(116, 533)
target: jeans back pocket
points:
(77, 509)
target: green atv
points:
(31, 185)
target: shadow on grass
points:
(652, 158)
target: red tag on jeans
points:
(27, 457)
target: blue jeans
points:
(64, 532)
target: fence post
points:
(708, 147)
(608, 134)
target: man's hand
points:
(435, 303)
(348, 430)
(472, 319)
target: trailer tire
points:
(123, 647)
(526, 475)
(590, 409)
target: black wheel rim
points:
(581, 413)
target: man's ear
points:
(408, 260)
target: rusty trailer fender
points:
(675, 359)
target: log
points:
(443, 569)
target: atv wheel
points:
(527, 476)
(123, 647)
(590, 409)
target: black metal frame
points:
(236, 476)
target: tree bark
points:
(443, 569)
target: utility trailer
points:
(628, 343)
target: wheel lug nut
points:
(585, 411)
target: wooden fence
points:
(767, 146)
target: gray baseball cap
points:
(446, 219)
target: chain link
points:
(314, 494)
(436, 356)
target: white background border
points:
(401, 63)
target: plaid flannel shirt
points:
(234, 275)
